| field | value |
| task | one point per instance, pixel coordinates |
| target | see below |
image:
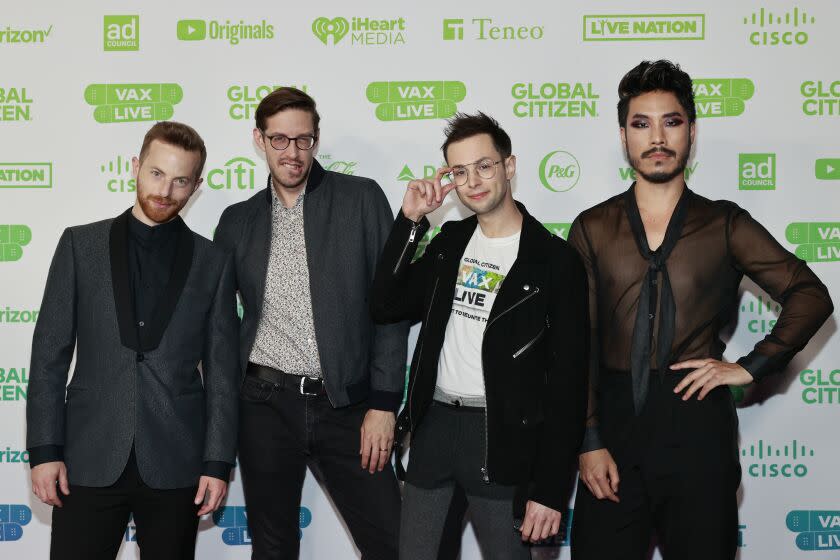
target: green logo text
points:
(400, 101)
(553, 99)
(15, 104)
(363, 31)
(13, 238)
(25, 175)
(122, 33)
(650, 27)
(559, 171)
(757, 172)
(116, 103)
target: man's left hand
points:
(377, 439)
(708, 374)
(540, 522)
(211, 491)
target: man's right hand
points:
(600, 474)
(424, 196)
(44, 478)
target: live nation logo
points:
(816, 529)
(644, 27)
(116, 103)
(415, 100)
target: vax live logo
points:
(10, 35)
(25, 175)
(234, 521)
(233, 33)
(118, 173)
(757, 172)
(10, 455)
(236, 174)
(364, 31)
(15, 104)
(821, 99)
(817, 529)
(552, 99)
(13, 238)
(453, 30)
(771, 29)
(817, 241)
(722, 97)
(768, 461)
(629, 174)
(820, 386)
(13, 517)
(122, 33)
(117, 103)
(13, 384)
(401, 101)
(649, 27)
(559, 171)
(245, 99)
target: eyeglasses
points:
(486, 169)
(280, 142)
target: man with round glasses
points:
(321, 382)
(497, 387)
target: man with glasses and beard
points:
(143, 301)
(660, 453)
(321, 382)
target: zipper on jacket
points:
(420, 357)
(408, 243)
(528, 344)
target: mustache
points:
(659, 150)
(160, 199)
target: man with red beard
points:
(144, 301)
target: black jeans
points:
(92, 523)
(281, 432)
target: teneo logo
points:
(817, 529)
(559, 171)
(9, 315)
(13, 384)
(233, 33)
(785, 461)
(629, 174)
(10, 455)
(561, 230)
(234, 522)
(427, 171)
(116, 103)
(15, 104)
(552, 99)
(25, 175)
(118, 174)
(9, 35)
(817, 241)
(122, 33)
(339, 166)
(363, 31)
(820, 386)
(821, 99)
(650, 27)
(245, 99)
(453, 30)
(721, 97)
(757, 172)
(13, 238)
(827, 169)
(236, 174)
(402, 101)
(13, 517)
(770, 29)
(760, 313)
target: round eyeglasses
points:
(486, 169)
(280, 142)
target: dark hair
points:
(463, 126)
(282, 99)
(662, 75)
(176, 134)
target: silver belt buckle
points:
(303, 379)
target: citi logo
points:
(13, 517)
(236, 174)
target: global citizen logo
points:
(244, 99)
(121, 33)
(721, 97)
(15, 104)
(817, 241)
(13, 384)
(772, 29)
(13, 518)
(820, 386)
(629, 174)
(15, 36)
(402, 101)
(363, 31)
(236, 174)
(649, 27)
(554, 99)
(485, 30)
(779, 461)
(820, 99)
(234, 522)
(337, 165)
(116, 103)
(757, 172)
(816, 529)
(13, 238)
(26, 175)
(233, 33)
(118, 175)
(559, 171)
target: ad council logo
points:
(780, 461)
(817, 529)
(820, 387)
(9, 35)
(817, 241)
(122, 33)
(15, 104)
(453, 30)
(25, 175)
(245, 99)
(233, 33)
(117, 103)
(757, 172)
(559, 171)
(13, 238)
(363, 31)
(650, 27)
(787, 28)
(13, 384)
(236, 174)
(118, 172)
(13, 517)
(722, 97)
(552, 99)
(234, 521)
(821, 99)
(402, 101)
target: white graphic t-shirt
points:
(484, 265)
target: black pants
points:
(679, 474)
(92, 523)
(280, 433)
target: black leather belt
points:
(310, 386)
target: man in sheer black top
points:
(660, 453)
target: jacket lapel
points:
(118, 250)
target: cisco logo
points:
(779, 461)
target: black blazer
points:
(534, 352)
(126, 390)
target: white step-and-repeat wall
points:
(82, 82)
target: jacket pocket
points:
(255, 390)
(528, 346)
